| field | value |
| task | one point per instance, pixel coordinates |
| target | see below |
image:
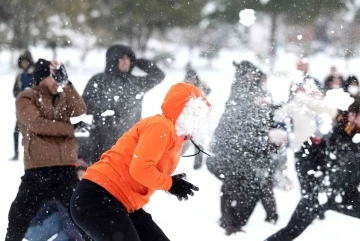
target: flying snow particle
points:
(108, 113)
(332, 156)
(332, 31)
(356, 138)
(311, 172)
(116, 97)
(169, 60)
(322, 197)
(338, 198)
(247, 17)
(341, 26)
(233, 203)
(299, 37)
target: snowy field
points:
(196, 219)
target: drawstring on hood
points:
(198, 152)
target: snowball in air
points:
(247, 17)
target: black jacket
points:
(119, 92)
(240, 143)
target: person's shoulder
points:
(158, 122)
(25, 95)
(29, 92)
(97, 77)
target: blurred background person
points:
(23, 81)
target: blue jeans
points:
(47, 229)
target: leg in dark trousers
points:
(39, 185)
(16, 142)
(238, 200)
(268, 200)
(302, 217)
(104, 218)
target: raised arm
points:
(154, 74)
(75, 102)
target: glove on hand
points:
(181, 188)
(81, 127)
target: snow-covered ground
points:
(196, 219)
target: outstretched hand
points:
(181, 188)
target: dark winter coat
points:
(343, 160)
(240, 143)
(119, 92)
(44, 121)
(24, 80)
(337, 166)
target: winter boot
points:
(272, 218)
(15, 158)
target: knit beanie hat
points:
(41, 70)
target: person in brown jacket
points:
(50, 147)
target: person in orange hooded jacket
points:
(107, 203)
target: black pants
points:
(16, 139)
(104, 218)
(307, 210)
(37, 186)
(240, 196)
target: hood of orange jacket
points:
(176, 99)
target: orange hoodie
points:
(144, 158)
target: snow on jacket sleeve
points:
(75, 103)
(28, 114)
(153, 143)
(154, 74)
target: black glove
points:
(181, 188)
(60, 75)
(81, 127)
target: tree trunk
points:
(273, 43)
(144, 37)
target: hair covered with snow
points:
(195, 121)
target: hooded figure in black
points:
(114, 98)
(242, 151)
(338, 178)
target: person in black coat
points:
(114, 97)
(338, 177)
(241, 150)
